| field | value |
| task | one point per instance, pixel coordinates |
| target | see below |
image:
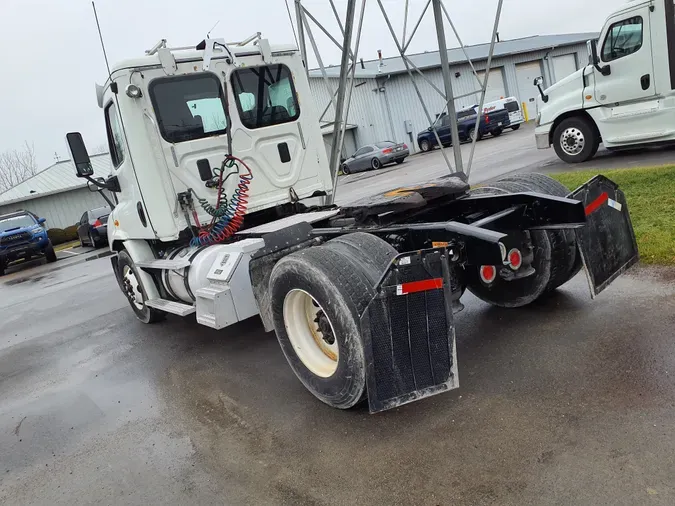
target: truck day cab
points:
(220, 177)
(625, 97)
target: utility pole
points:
(445, 68)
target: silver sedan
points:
(374, 156)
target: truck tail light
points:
(405, 146)
(97, 223)
(488, 273)
(387, 151)
(515, 259)
(487, 119)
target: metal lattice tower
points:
(341, 95)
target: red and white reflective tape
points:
(604, 197)
(419, 286)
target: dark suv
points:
(23, 237)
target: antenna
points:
(212, 28)
(100, 36)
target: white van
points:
(512, 105)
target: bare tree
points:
(17, 165)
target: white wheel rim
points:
(317, 349)
(132, 287)
(572, 141)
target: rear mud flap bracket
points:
(607, 242)
(408, 332)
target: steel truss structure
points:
(351, 38)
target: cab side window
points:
(115, 137)
(623, 38)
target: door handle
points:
(645, 81)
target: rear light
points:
(487, 119)
(515, 259)
(387, 151)
(98, 223)
(405, 146)
(488, 273)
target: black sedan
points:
(93, 227)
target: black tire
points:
(345, 169)
(2, 268)
(146, 314)
(497, 133)
(400, 161)
(565, 256)
(520, 292)
(425, 145)
(375, 163)
(50, 254)
(515, 127)
(576, 131)
(471, 133)
(370, 251)
(341, 288)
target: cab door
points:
(625, 46)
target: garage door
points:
(526, 73)
(564, 66)
(495, 88)
(349, 147)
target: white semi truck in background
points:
(625, 97)
(219, 185)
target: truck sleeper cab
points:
(220, 175)
(625, 97)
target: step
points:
(168, 265)
(169, 306)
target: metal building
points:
(384, 105)
(56, 193)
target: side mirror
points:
(79, 155)
(594, 59)
(41, 221)
(538, 82)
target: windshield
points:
(15, 222)
(386, 144)
(100, 212)
(189, 107)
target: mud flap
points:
(607, 242)
(408, 332)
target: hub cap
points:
(572, 141)
(311, 333)
(132, 287)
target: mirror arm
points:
(111, 184)
(605, 71)
(544, 96)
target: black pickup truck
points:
(491, 123)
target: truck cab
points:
(625, 97)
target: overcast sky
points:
(51, 56)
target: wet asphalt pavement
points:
(568, 401)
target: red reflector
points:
(593, 206)
(488, 273)
(387, 151)
(97, 223)
(419, 286)
(515, 259)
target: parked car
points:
(374, 156)
(93, 227)
(23, 237)
(491, 123)
(512, 106)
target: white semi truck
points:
(625, 97)
(219, 181)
